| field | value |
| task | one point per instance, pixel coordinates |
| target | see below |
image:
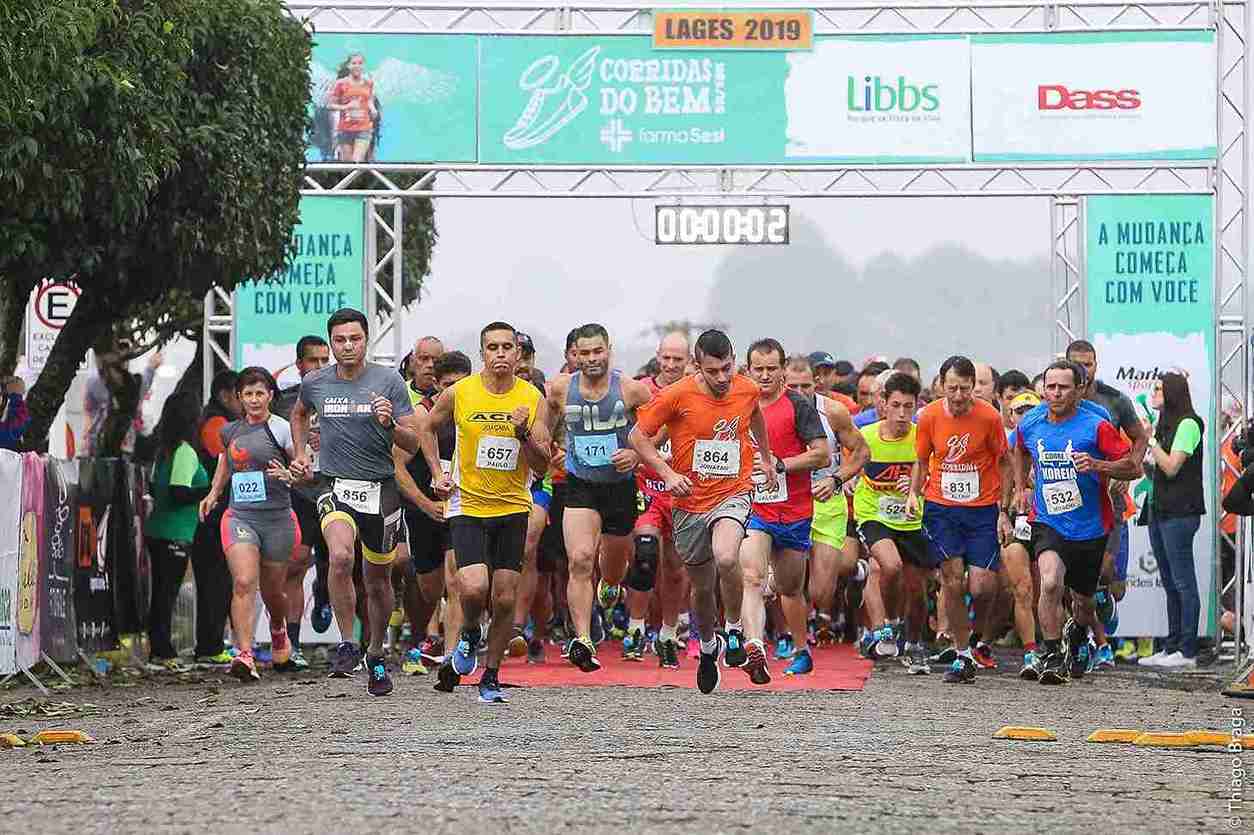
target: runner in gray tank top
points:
(599, 407)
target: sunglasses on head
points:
(1023, 410)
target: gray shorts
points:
(693, 530)
(273, 532)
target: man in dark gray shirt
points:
(1115, 561)
(362, 409)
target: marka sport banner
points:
(1149, 264)
(865, 99)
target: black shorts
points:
(306, 511)
(427, 539)
(496, 542)
(377, 529)
(552, 550)
(1082, 558)
(913, 546)
(614, 500)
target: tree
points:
(85, 129)
(225, 211)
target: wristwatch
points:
(779, 466)
(838, 481)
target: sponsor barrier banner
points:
(1150, 272)
(617, 100)
(56, 605)
(132, 577)
(93, 586)
(1094, 96)
(392, 98)
(326, 272)
(30, 571)
(10, 551)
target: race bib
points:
(892, 509)
(595, 450)
(716, 459)
(1023, 529)
(248, 488)
(1061, 496)
(497, 453)
(960, 487)
(362, 496)
(356, 114)
(764, 495)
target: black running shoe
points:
(962, 671)
(345, 661)
(667, 654)
(735, 656)
(446, 678)
(583, 654)
(380, 683)
(707, 667)
(1054, 669)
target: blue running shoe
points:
(1105, 659)
(320, 618)
(490, 692)
(802, 664)
(735, 654)
(465, 656)
(866, 644)
(784, 648)
(1107, 611)
(1032, 666)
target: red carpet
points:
(835, 668)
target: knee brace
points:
(643, 571)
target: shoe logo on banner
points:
(536, 125)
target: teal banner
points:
(616, 100)
(380, 97)
(326, 272)
(1150, 271)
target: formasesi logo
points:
(1061, 97)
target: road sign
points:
(51, 304)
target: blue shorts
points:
(1117, 545)
(969, 533)
(541, 498)
(790, 536)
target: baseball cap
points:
(818, 359)
(844, 368)
(1024, 398)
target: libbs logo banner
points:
(875, 94)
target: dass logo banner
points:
(1093, 96)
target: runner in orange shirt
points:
(353, 97)
(962, 446)
(709, 418)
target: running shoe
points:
(983, 655)
(1144, 647)
(1126, 651)
(707, 667)
(583, 654)
(1107, 612)
(379, 683)
(280, 650)
(535, 651)
(166, 665)
(432, 648)
(946, 655)
(412, 665)
(886, 642)
(446, 678)
(784, 647)
(1076, 641)
(345, 660)
(222, 659)
(244, 668)
(633, 646)
(1105, 658)
(802, 664)
(755, 663)
(299, 663)
(320, 617)
(962, 671)
(517, 643)
(490, 692)
(1055, 669)
(918, 663)
(1032, 666)
(825, 631)
(598, 626)
(465, 658)
(667, 654)
(734, 654)
(866, 643)
(608, 595)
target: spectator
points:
(213, 580)
(179, 482)
(14, 416)
(1176, 508)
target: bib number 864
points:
(713, 456)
